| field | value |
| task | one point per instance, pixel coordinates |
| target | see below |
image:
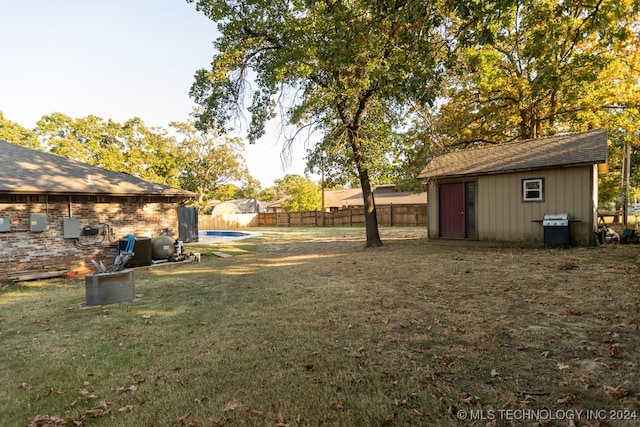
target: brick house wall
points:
(24, 250)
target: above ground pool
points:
(213, 236)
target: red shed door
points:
(451, 198)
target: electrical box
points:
(38, 223)
(5, 224)
(71, 228)
(91, 230)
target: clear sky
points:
(116, 59)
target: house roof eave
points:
(427, 178)
(28, 171)
(23, 192)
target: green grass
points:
(304, 327)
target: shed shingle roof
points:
(576, 149)
(387, 198)
(27, 171)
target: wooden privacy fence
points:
(388, 215)
(227, 221)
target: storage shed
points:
(502, 192)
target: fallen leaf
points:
(389, 417)
(103, 408)
(104, 405)
(588, 383)
(127, 408)
(562, 366)
(231, 406)
(132, 387)
(186, 420)
(614, 351)
(55, 421)
(336, 405)
(566, 399)
(52, 391)
(94, 413)
(527, 400)
(255, 412)
(617, 392)
(470, 400)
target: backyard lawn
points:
(306, 327)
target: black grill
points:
(557, 231)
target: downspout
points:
(427, 183)
(626, 183)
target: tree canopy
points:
(130, 147)
(299, 193)
(541, 71)
(16, 134)
(209, 160)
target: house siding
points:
(23, 250)
(503, 216)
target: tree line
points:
(209, 164)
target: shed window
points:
(533, 190)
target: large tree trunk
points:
(370, 216)
(353, 134)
